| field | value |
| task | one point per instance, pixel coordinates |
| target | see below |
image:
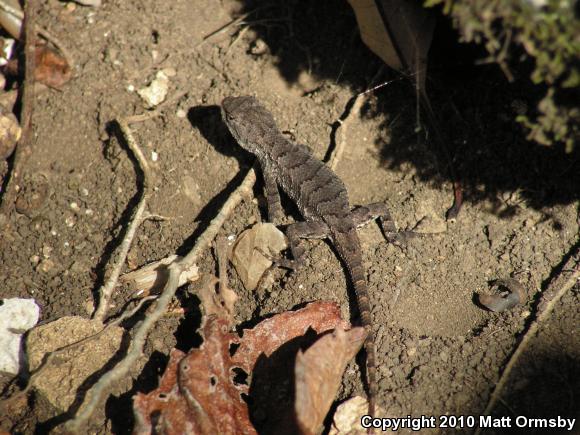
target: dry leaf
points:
(51, 68)
(197, 394)
(219, 303)
(319, 373)
(271, 333)
(247, 255)
(398, 31)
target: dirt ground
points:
(438, 352)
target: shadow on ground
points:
(473, 138)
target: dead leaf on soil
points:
(247, 255)
(217, 300)
(51, 68)
(319, 373)
(197, 393)
(271, 333)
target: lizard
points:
(321, 198)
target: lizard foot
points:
(281, 262)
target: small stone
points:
(74, 206)
(169, 72)
(46, 266)
(46, 250)
(84, 192)
(181, 114)
(70, 221)
(34, 260)
(154, 156)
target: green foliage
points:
(549, 33)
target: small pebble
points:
(181, 114)
(154, 156)
(74, 206)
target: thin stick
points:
(24, 147)
(339, 150)
(106, 290)
(549, 299)
(95, 394)
(344, 120)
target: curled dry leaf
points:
(271, 333)
(247, 255)
(319, 373)
(51, 68)
(152, 277)
(515, 294)
(197, 393)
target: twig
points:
(24, 147)
(344, 120)
(354, 111)
(103, 385)
(549, 299)
(106, 289)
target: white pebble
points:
(154, 156)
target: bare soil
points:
(439, 353)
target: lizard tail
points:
(348, 247)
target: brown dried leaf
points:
(247, 255)
(319, 373)
(51, 68)
(398, 31)
(271, 333)
(219, 303)
(197, 394)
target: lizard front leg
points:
(272, 197)
(295, 233)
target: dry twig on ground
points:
(103, 385)
(106, 289)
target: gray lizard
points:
(321, 197)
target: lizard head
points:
(249, 122)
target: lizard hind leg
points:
(378, 210)
(295, 233)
